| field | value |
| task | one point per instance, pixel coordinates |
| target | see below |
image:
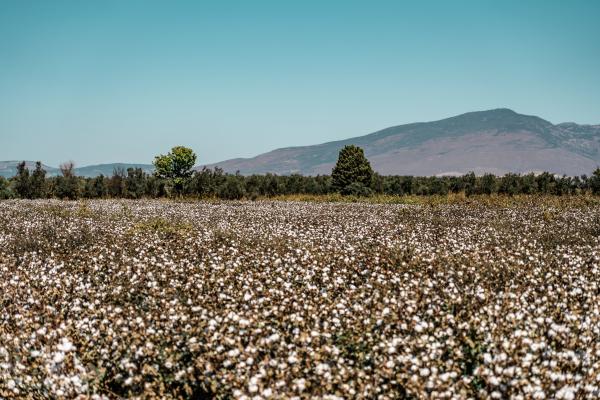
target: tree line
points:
(352, 175)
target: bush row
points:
(214, 183)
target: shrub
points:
(232, 189)
(5, 192)
(357, 189)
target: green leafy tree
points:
(352, 171)
(95, 187)
(470, 183)
(528, 184)
(509, 184)
(100, 188)
(5, 193)
(175, 166)
(116, 183)
(233, 188)
(545, 183)
(67, 185)
(154, 187)
(38, 181)
(21, 181)
(134, 183)
(488, 184)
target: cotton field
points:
(278, 300)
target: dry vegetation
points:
(261, 300)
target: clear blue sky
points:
(107, 81)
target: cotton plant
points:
(278, 300)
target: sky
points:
(122, 81)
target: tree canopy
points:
(352, 173)
(176, 165)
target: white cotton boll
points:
(300, 384)
(58, 357)
(566, 393)
(65, 345)
(494, 381)
(243, 323)
(539, 395)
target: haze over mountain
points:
(9, 168)
(496, 141)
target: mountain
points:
(496, 141)
(108, 169)
(9, 168)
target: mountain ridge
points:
(471, 141)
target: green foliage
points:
(488, 184)
(117, 185)
(154, 187)
(595, 181)
(469, 184)
(38, 181)
(21, 183)
(233, 188)
(5, 192)
(206, 183)
(67, 185)
(29, 186)
(352, 167)
(509, 184)
(357, 189)
(215, 183)
(99, 186)
(175, 166)
(134, 183)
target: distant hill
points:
(496, 141)
(9, 168)
(108, 169)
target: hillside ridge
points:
(496, 141)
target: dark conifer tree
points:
(352, 167)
